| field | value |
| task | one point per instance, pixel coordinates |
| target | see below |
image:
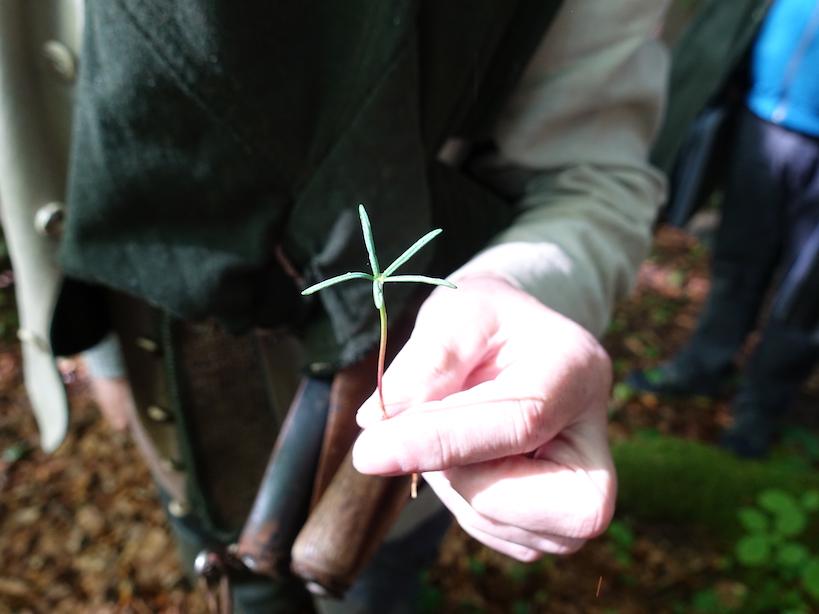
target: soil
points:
(81, 530)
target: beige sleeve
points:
(577, 130)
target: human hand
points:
(501, 403)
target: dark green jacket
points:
(220, 146)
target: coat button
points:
(50, 220)
(159, 414)
(61, 60)
(28, 336)
(149, 345)
(178, 509)
(170, 464)
(319, 368)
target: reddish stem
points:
(382, 353)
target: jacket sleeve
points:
(572, 146)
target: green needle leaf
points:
(410, 252)
(377, 278)
(423, 279)
(368, 239)
(335, 280)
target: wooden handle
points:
(351, 512)
(283, 501)
(346, 528)
(351, 387)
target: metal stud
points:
(28, 336)
(319, 368)
(178, 509)
(169, 464)
(61, 60)
(149, 345)
(50, 220)
(159, 414)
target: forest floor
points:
(81, 530)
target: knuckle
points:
(600, 506)
(444, 448)
(526, 421)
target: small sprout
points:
(378, 280)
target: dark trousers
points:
(771, 208)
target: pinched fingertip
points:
(369, 413)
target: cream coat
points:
(39, 42)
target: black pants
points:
(771, 208)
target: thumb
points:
(436, 361)
(419, 373)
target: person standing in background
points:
(770, 210)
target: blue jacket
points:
(785, 67)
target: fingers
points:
(513, 540)
(438, 359)
(552, 501)
(516, 491)
(526, 405)
(479, 424)
(488, 374)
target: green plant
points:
(803, 444)
(378, 279)
(621, 539)
(622, 393)
(690, 482)
(521, 607)
(431, 597)
(676, 278)
(518, 573)
(477, 567)
(772, 544)
(708, 602)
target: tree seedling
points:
(378, 279)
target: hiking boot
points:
(753, 432)
(669, 379)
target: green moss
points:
(665, 478)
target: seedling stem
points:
(378, 280)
